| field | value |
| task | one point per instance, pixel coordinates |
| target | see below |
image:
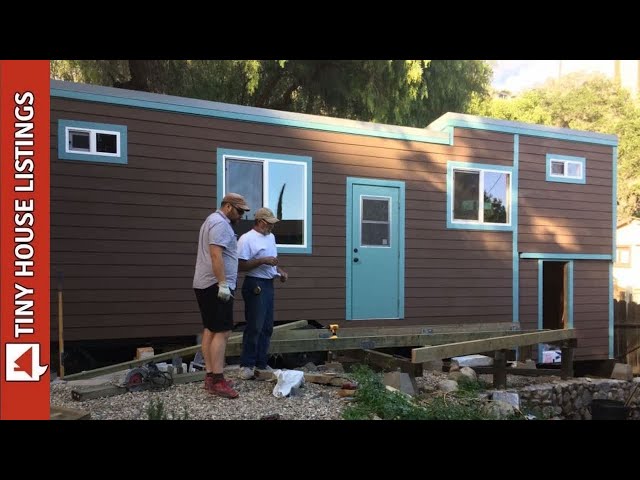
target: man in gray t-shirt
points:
(214, 282)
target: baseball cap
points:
(266, 215)
(236, 200)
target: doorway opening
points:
(555, 298)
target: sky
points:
(518, 75)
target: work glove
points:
(224, 293)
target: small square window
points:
(92, 142)
(566, 169)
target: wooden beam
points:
(397, 330)
(566, 360)
(388, 363)
(165, 356)
(424, 354)
(500, 369)
(364, 342)
(525, 372)
(62, 413)
(81, 394)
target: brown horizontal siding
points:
(591, 308)
(528, 301)
(590, 304)
(559, 217)
(128, 233)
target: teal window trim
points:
(470, 225)
(564, 179)
(223, 153)
(566, 256)
(401, 240)
(64, 126)
(514, 237)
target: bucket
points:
(609, 410)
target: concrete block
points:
(401, 381)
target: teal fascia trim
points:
(552, 178)
(514, 221)
(401, 233)
(222, 152)
(614, 193)
(504, 126)
(570, 294)
(614, 225)
(121, 159)
(540, 278)
(567, 256)
(168, 103)
(611, 310)
(451, 165)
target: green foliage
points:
(468, 387)
(401, 92)
(582, 102)
(156, 411)
(373, 400)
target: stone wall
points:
(571, 399)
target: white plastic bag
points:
(287, 379)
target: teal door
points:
(375, 249)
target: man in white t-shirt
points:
(258, 256)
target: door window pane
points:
(375, 222)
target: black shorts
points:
(217, 315)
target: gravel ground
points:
(311, 402)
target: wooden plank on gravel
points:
(81, 394)
(62, 413)
(166, 356)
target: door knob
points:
(355, 260)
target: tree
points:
(582, 102)
(400, 92)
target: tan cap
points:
(236, 200)
(266, 215)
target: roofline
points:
(206, 108)
(461, 120)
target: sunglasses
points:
(239, 210)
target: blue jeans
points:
(258, 313)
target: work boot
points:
(208, 383)
(223, 389)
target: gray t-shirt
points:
(216, 230)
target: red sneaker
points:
(223, 389)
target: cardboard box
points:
(144, 352)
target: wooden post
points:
(500, 372)
(566, 366)
(60, 328)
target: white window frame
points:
(266, 159)
(565, 177)
(452, 222)
(92, 141)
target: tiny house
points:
(468, 221)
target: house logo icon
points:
(23, 362)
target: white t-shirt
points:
(256, 245)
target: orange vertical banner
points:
(24, 239)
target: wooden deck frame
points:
(500, 345)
